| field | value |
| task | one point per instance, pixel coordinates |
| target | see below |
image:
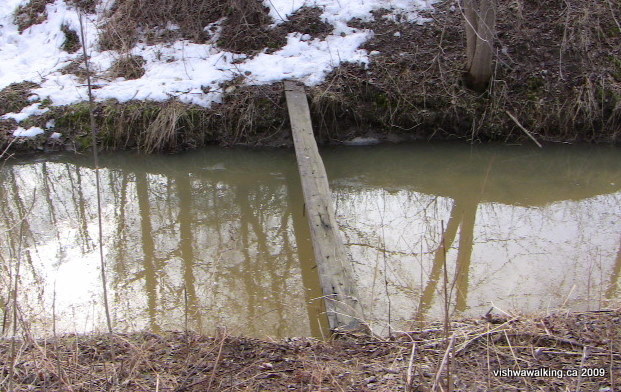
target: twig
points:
(530, 135)
(96, 159)
(584, 357)
(511, 348)
(408, 377)
(444, 362)
(446, 310)
(488, 332)
(213, 370)
(7, 148)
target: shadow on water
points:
(218, 237)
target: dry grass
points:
(14, 97)
(128, 67)
(189, 362)
(72, 41)
(31, 13)
(128, 16)
(163, 132)
(245, 24)
(87, 6)
(76, 67)
(558, 69)
(558, 72)
(252, 115)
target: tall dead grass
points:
(557, 70)
(163, 131)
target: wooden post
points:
(335, 269)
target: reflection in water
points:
(613, 286)
(219, 238)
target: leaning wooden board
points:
(335, 268)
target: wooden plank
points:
(335, 268)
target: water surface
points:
(218, 238)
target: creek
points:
(218, 237)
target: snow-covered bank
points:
(189, 72)
(391, 69)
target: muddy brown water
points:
(218, 238)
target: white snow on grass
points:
(26, 112)
(30, 132)
(307, 60)
(191, 73)
(338, 12)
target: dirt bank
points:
(587, 343)
(557, 72)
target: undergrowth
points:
(72, 41)
(31, 13)
(557, 76)
(244, 26)
(14, 97)
(412, 361)
(128, 67)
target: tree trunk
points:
(480, 18)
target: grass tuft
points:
(72, 41)
(162, 133)
(128, 67)
(32, 13)
(14, 97)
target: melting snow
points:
(183, 70)
(30, 132)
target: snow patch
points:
(32, 110)
(309, 61)
(30, 132)
(192, 73)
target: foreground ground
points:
(587, 343)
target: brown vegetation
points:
(557, 77)
(76, 68)
(87, 6)
(128, 67)
(31, 13)
(558, 87)
(409, 362)
(72, 42)
(14, 97)
(246, 26)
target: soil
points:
(588, 343)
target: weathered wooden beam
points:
(335, 268)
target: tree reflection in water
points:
(218, 238)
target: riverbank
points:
(557, 74)
(588, 343)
